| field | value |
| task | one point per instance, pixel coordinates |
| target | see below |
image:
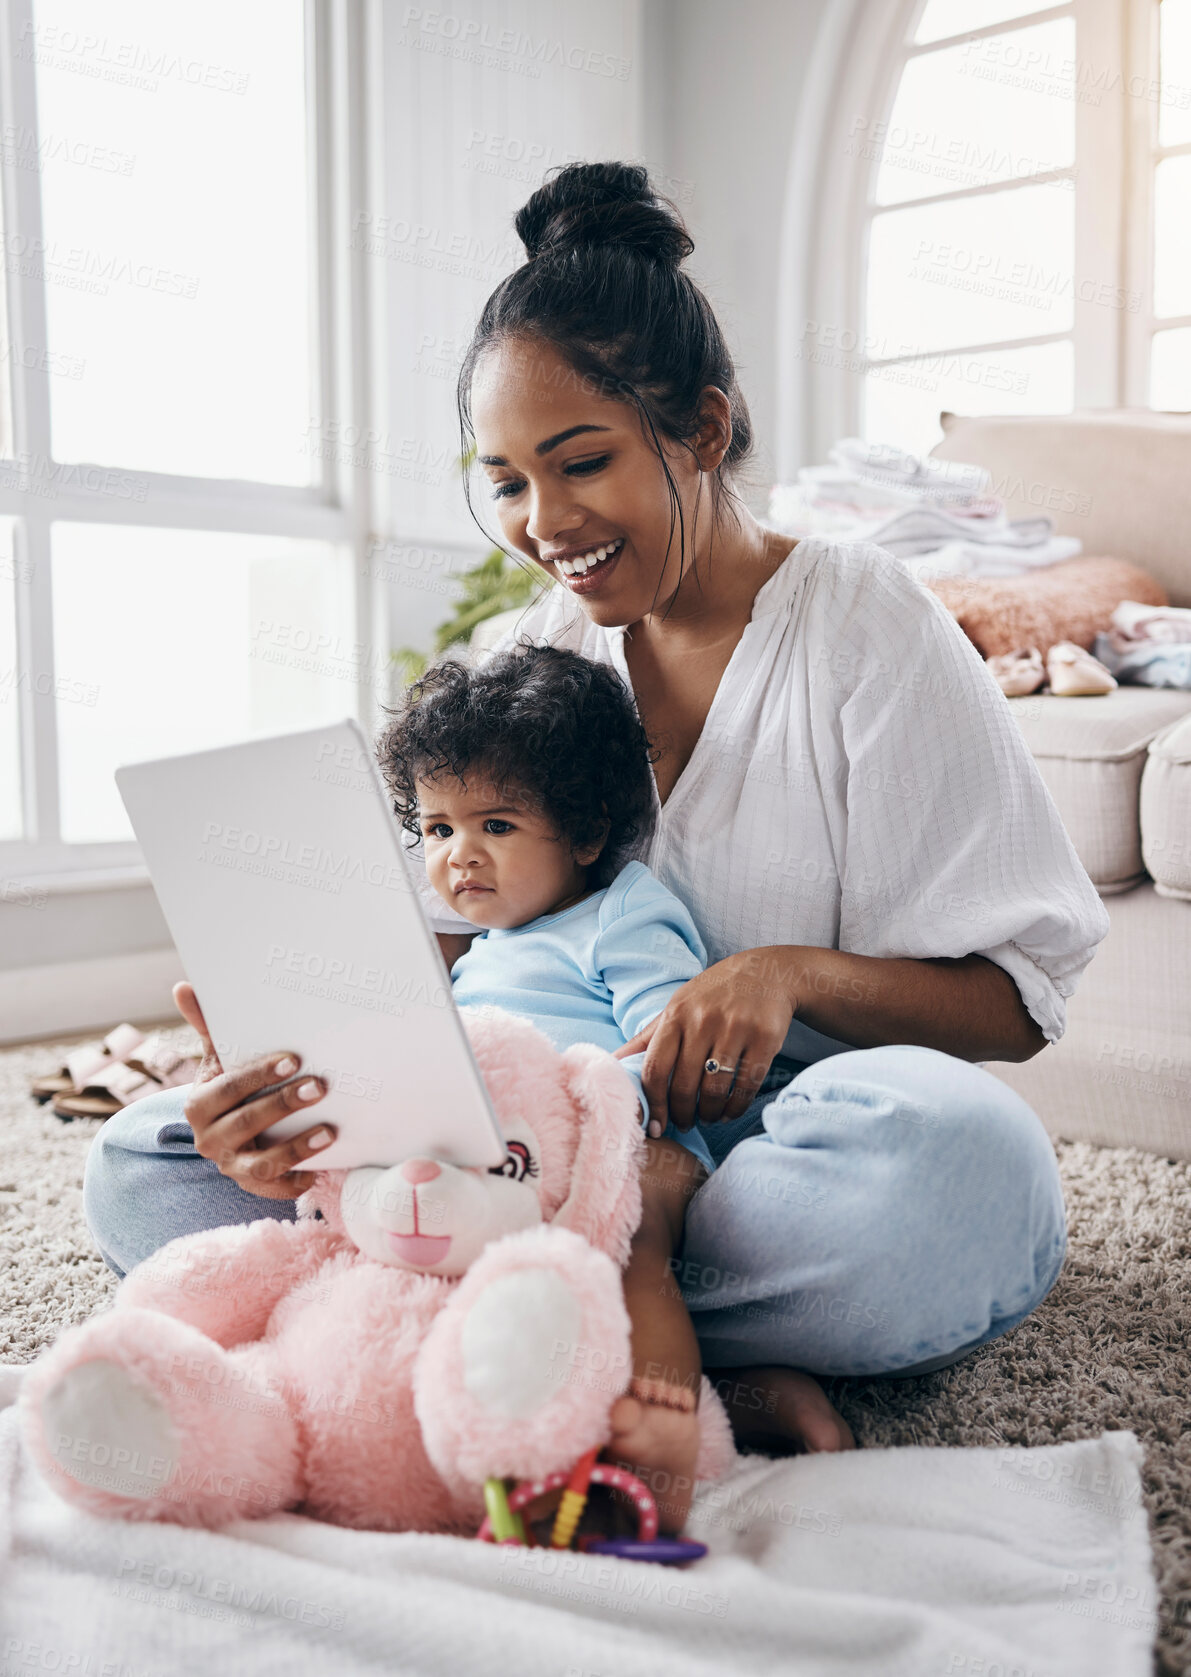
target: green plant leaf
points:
(410, 663)
(492, 585)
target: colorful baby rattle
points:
(503, 1522)
(574, 1501)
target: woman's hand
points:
(227, 1119)
(738, 1013)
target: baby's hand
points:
(661, 1446)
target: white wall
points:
(480, 100)
(736, 78)
(76, 959)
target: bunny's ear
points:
(323, 1196)
(604, 1200)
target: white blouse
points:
(860, 784)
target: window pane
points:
(902, 403)
(941, 18)
(173, 144)
(974, 270)
(1172, 236)
(960, 119)
(1174, 108)
(12, 682)
(1170, 370)
(174, 640)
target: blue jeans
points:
(882, 1211)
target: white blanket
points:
(886, 1563)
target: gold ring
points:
(712, 1066)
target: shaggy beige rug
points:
(1108, 1349)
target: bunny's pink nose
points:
(420, 1170)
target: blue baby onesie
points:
(596, 972)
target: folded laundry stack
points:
(939, 516)
(942, 519)
(1148, 645)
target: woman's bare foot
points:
(780, 1411)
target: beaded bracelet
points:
(663, 1394)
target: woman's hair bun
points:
(602, 204)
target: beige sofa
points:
(1119, 770)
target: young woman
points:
(844, 804)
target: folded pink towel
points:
(1135, 624)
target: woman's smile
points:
(585, 570)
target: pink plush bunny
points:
(373, 1365)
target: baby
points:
(527, 782)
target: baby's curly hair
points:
(555, 730)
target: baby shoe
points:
(1018, 672)
(1073, 671)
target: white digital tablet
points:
(280, 868)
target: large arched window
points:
(993, 216)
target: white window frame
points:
(343, 72)
(857, 66)
(1143, 156)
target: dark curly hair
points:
(603, 283)
(554, 729)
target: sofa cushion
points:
(1117, 478)
(1071, 601)
(1091, 753)
(1165, 808)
